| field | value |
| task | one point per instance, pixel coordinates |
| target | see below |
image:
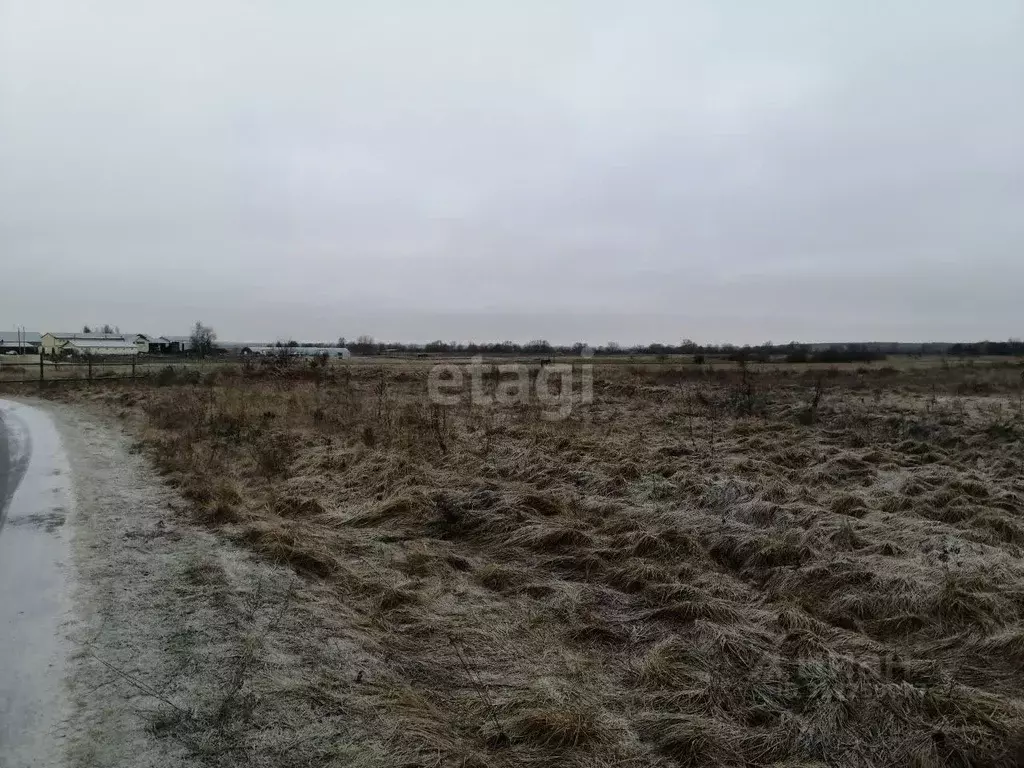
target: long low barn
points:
(341, 352)
(99, 348)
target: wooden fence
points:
(24, 369)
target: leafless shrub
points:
(273, 453)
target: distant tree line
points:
(792, 352)
(203, 342)
(1011, 347)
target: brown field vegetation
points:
(702, 567)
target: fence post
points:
(89, 358)
(133, 366)
(40, 366)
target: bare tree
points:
(364, 345)
(202, 339)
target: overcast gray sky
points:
(722, 170)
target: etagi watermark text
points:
(553, 386)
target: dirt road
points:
(35, 549)
(117, 618)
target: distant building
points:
(106, 344)
(22, 342)
(339, 352)
(159, 345)
(152, 345)
(177, 344)
(99, 348)
(140, 340)
(54, 343)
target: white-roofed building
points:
(90, 344)
(53, 343)
(100, 348)
(300, 351)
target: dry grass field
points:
(701, 567)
